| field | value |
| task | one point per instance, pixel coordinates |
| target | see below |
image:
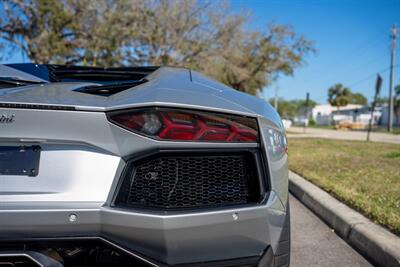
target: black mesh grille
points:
(187, 181)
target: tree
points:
(286, 109)
(40, 29)
(205, 36)
(301, 103)
(65, 31)
(380, 101)
(289, 109)
(339, 96)
(358, 98)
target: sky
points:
(351, 38)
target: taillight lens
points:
(183, 125)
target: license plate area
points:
(19, 160)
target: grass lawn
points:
(366, 176)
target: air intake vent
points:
(173, 181)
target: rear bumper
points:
(79, 173)
(167, 238)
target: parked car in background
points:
(141, 166)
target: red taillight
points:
(183, 125)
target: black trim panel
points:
(264, 260)
(36, 106)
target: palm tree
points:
(339, 96)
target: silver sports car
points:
(140, 166)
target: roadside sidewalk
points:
(374, 242)
(298, 132)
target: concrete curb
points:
(374, 242)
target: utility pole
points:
(276, 97)
(306, 112)
(393, 36)
(307, 103)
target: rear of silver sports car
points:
(157, 183)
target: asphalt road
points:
(315, 244)
(343, 135)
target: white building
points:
(327, 114)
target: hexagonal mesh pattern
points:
(187, 181)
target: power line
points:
(370, 76)
(345, 67)
(360, 49)
(331, 76)
(364, 79)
